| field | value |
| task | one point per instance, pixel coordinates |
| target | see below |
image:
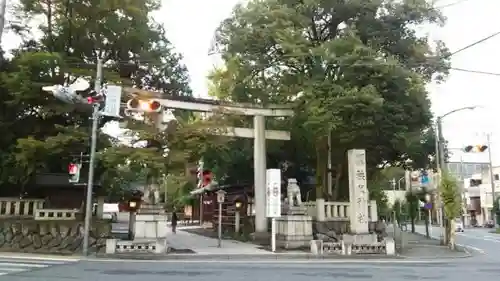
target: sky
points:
(190, 25)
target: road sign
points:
(273, 192)
(424, 178)
(221, 196)
(113, 101)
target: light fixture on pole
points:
(440, 163)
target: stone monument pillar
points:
(358, 199)
(294, 229)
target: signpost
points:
(221, 197)
(273, 201)
(113, 101)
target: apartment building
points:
(478, 196)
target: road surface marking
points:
(472, 247)
(17, 265)
(484, 238)
(45, 259)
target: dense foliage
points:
(353, 69)
(42, 134)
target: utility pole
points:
(93, 143)
(441, 171)
(3, 8)
(492, 177)
(394, 218)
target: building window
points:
(496, 177)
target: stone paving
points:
(205, 245)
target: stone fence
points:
(337, 211)
(385, 247)
(20, 208)
(33, 209)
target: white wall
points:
(393, 195)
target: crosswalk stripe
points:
(33, 261)
(15, 264)
(18, 265)
(2, 269)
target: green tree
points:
(41, 133)
(413, 208)
(352, 69)
(452, 202)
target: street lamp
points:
(440, 160)
(440, 138)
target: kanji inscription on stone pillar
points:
(358, 191)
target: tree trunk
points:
(451, 237)
(321, 167)
(336, 187)
(447, 232)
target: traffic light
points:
(476, 148)
(144, 105)
(74, 172)
(204, 178)
(96, 98)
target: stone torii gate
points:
(258, 133)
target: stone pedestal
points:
(140, 246)
(294, 231)
(360, 239)
(150, 226)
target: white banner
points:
(273, 193)
(113, 101)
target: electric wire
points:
(451, 4)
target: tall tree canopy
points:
(353, 69)
(41, 134)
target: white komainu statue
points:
(293, 193)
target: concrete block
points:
(144, 217)
(140, 229)
(316, 247)
(346, 249)
(110, 246)
(150, 229)
(161, 229)
(390, 247)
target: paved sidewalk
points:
(416, 245)
(183, 240)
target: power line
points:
(475, 71)
(474, 44)
(451, 4)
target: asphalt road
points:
(479, 240)
(459, 269)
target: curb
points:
(268, 257)
(459, 248)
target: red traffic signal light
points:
(72, 169)
(95, 97)
(144, 105)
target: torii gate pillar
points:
(260, 165)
